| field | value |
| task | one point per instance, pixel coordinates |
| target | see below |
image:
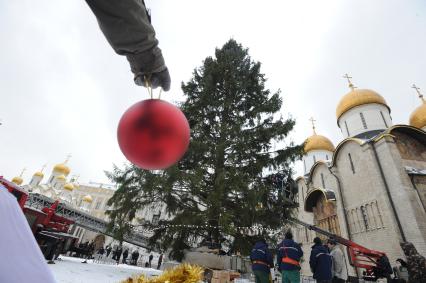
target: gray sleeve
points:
(127, 28)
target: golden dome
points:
(357, 97)
(88, 199)
(61, 178)
(39, 174)
(17, 180)
(69, 187)
(418, 117)
(62, 168)
(318, 142)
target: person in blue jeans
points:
(288, 259)
(320, 262)
(262, 261)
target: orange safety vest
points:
(288, 260)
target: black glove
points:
(160, 79)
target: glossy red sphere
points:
(153, 134)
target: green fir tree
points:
(225, 180)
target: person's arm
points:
(126, 26)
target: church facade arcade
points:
(372, 189)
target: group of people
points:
(327, 262)
(125, 256)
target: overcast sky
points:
(63, 89)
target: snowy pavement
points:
(71, 270)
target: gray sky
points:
(63, 89)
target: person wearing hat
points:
(262, 262)
(288, 259)
(320, 262)
(339, 272)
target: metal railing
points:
(83, 219)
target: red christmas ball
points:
(153, 134)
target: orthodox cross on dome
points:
(22, 172)
(43, 167)
(313, 124)
(351, 85)
(419, 93)
(68, 158)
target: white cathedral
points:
(371, 187)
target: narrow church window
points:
(352, 163)
(315, 159)
(322, 180)
(371, 217)
(358, 221)
(347, 129)
(384, 120)
(353, 215)
(364, 123)
(365, 217)
(379, 216)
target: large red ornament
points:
(153, 134)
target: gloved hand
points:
(160, 79)
(149, 69)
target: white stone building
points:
(90, 198)
(371, 188)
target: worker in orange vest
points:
(288, 259)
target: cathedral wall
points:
(322, 178)
(368, 210)
(407, 202)
(301, 234)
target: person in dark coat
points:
(118, 254)
(125, 255)
(108, 250)
(320, 262)
(262, 261)
(135, 256)
(160, 261)
(151, 257)
(288, 259)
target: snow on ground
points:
(71, 270)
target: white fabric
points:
(22, 260)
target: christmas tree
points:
(232, 176)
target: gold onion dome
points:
(418, 117)
(62, 168)
(88, 199)
(17, 180)
(318, 142)
(357, 97)
(39, 174)
(69, 187)
(61, 178)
